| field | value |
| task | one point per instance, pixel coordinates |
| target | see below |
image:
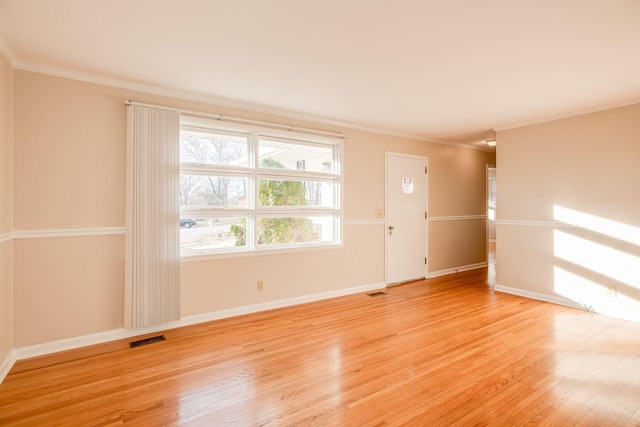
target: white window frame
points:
(254, 173)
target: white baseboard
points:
(254, 308)
(116, 334)
(456, 269)
(554, 299)
(71, 343)
(6, 365)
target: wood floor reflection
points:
(445, 351)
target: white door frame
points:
(386, 210)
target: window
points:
(244, 188)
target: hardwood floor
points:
(445, 351)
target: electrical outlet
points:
(260, 285)
(613, 292)
(378, 213)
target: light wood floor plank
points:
(444, 351)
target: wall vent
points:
(376, 294)
(134, 344)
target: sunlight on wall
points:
(599, 258)
(578, 288)
(595, 297)
(600, 277)
(618, 230)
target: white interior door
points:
(406, 217)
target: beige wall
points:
(569, 210)
(69, 173)
(457, 188)
(209, 286)
(6, 209)
(69, 154)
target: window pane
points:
(213, 191)
(214, 148)
(277, 192)
(198, 234)
(288, 230)
(283, 155)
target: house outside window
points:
(244, 188)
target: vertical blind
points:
(152, 253)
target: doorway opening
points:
(491, 221)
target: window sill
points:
(259, 252)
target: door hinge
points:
(425, 215)
(425, 260)
(425, 169)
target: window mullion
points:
(186, 167)
(253, 234)
(222, 196)
(305, 175)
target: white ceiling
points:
(449, 70)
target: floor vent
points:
(134, 344)
(377, 294)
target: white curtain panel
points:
(152, 254)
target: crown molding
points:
(597, 109)
(224, 102)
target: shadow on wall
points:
(597, 263)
